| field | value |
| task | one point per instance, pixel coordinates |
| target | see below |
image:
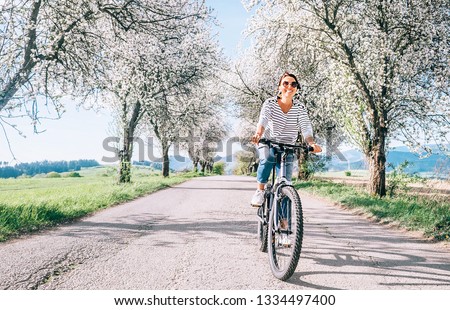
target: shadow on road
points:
(361, 255)
(214, 188)
(139, 225)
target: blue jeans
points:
(267, 160)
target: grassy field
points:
(29, 204)
(430, 215)
(355, 174)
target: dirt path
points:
(202, 235)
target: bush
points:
(348, 173)
(53, 175)
(73, 175)
(110, 171)
(311, 165)
(240, 169)
(398, 179)
(219, 168)
(24, 176)
(246, 163)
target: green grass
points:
(359, 174)
(431, 216)
(30, 204)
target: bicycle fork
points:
(275, 200)
(278, 204)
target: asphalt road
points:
(202, 235)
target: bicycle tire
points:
(284, 260)
(263, 230)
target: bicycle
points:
(281, 214)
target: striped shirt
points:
(284, 127)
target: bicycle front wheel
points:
(263, 226)
(285, 233)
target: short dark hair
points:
(285, 74)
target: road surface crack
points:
(53, 269)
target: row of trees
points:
(152, 62)
(45, 166)
(372, 70)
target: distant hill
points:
(178, 163)
(432, 164)
(38, 167)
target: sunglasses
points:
(293, 84)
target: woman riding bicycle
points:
(280, 120)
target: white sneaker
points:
(284, 241)
(258, 198)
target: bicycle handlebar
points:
(268, 142)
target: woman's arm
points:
(258, 134)
(307, 131)
(264, 117)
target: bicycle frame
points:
(279, 182)
(272, 190)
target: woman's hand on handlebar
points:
(255, 138)
(317, 148)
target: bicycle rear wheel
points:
(285, 237)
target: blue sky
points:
(79, 134)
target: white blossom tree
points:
(386, 67)
(152, 76)
(191, 120)
(203, 133)
(55, 48)
(249, 81)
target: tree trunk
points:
(377, 157)
(125, 156)
(203, 166)
(210, 167)
(377, 168)
(128, 138)
(303, 172)
(166, 162)
(329, 142)
(194, 167)
(195, 164)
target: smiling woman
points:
(281, 119)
